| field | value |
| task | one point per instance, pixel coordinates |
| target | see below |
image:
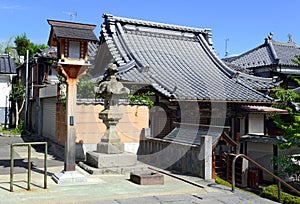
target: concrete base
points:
(102, 160)
(65, 177)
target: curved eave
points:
(123, 57)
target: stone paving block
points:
(143, 200)
(179, 198)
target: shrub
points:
(218, 180)
(271, 192)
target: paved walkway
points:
(108, 189)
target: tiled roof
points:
(7, 64)
(263, 109)
(192, 135)
(49, 53)
(178, 61)
(268, 54)
(255, 82)
(262, 139)
(285, 52)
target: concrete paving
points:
(100, 189)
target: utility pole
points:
(26, 90)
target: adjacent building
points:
(272, 59)
(7, 72)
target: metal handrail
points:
(262, 168)
(28, 144)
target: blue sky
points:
(244, 23)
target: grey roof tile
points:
(7, 64)
(49, 53)
(181, 61)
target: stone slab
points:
(66, 177)
(102, 160)
(147, 178)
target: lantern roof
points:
(70, 30)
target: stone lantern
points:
(71, 40)
(111, 90)
(110, 154)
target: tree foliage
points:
(142, 99)
(6, 47)
(290, 124)
(85, 88)
(23, 44)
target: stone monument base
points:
(65, 177)
(102, 160)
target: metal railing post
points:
(29, 168)
(279, 193)
(45, 166)
(11, 167)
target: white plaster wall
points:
(256, 123)
(4, 91)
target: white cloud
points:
(11, 7)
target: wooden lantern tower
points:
(71, 40)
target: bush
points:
(218, 180)
(271, 192)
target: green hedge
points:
(271, 192)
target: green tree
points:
(17, 95)
(290, 124)
(85, 88)
(6, 47)
(23, 44)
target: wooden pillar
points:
(70, 145)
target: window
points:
(74, 49)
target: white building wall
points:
(256, 124)
(5, 88)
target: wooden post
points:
(70, 145)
